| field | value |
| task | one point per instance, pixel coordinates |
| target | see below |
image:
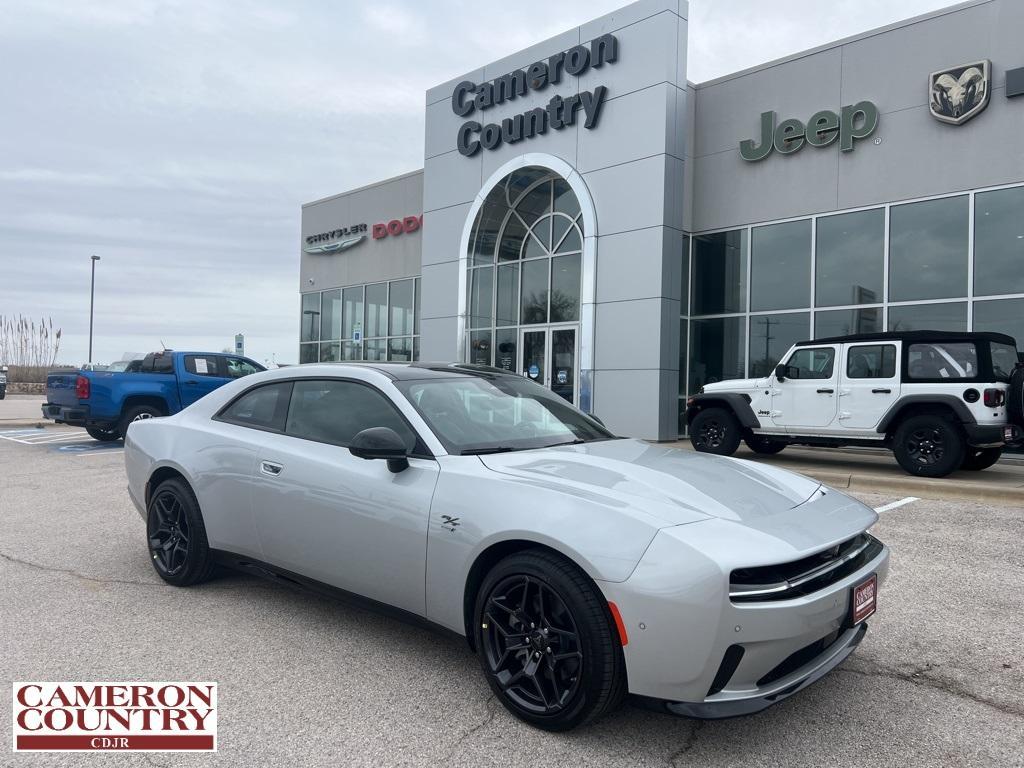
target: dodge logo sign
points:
(960, 93)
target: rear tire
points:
(176, 536)
(977, 459)
(138, 413)
(547, 642)
(764, 445)
(929, 445)
(103, 435)
(715, 430)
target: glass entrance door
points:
(549, 357)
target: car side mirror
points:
(780, 372)
(381, 443)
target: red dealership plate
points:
(865, 599)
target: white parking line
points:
(41, 437)
(897, 504)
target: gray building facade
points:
(594, 221)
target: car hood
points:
(732, 385)
(673, 485)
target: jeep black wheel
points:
(715, 430)
(103, 435)
(929, 446)
(176, 535)
(977, 459)
(764, 445)
(547, 642)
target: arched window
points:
(523, 287)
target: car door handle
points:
(881, 391)
(191, 383)
(270, 468)
(826, 391)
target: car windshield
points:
(1004, 360)
(494, 414)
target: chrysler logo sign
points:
(958, 94)
(337, 245)
(343, 238)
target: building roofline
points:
(365, 187)
(843, 41)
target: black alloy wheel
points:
(715, 430)
(532, 644)
(547, 642)
(176, 536)
(929, 446)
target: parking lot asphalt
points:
(939, 680)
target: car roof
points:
(422, 370)
(915, 336)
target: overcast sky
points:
(177, 140)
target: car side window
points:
(237, 367)
(958, 360)
(262, 407)
(334, 411)
(874, 361)
(202, 365)
(811, 363)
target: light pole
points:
(92, 299)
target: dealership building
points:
(589, 218)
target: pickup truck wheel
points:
(103, 435)
(977, 459)
(715, 430)
(138, 413)
(929, 446)
(763, 445)
(176, 535)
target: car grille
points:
(802, 577)
(794, 661)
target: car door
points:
(201, 375)
(806, 399)
(341, 520)
(870, 384)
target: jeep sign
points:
(857, 121)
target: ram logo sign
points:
(960, 93)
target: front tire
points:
(176, 536)
(977, 459)
(103, 435)
(715, 430)
(763, 445)
(547, 642)
(929, 446)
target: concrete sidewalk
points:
(22, 411)
(874, 470)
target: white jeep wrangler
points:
(941, 401)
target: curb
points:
(911, 486)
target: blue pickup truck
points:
(106, 402)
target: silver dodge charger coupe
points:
(579, 565)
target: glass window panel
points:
(480, 296)
(400, 349)
(534, 247)
(517, 181)
(942, 361)
(511, 239)
(330, 352)
(928, 250)
(508, 295)
(336, 411)
(929, 317)
(480, 347)
(843, 322)
(309, 353)
(534, 299)
(1002, 316)
(849, 258)
(376, 310)
(309, 329)
(719, 273)
(684, 340)
(571, 242)
(871, 361)
(565, 289)
(351, 350)
(563, 362)
(506, 342)
(811, 363)
(535, 203)
(542, 231)
(565, 198)
(717, 350)
(352, 311)
(416, 314)
(780, 266)
(999, 242)
(401, 308)
(559, 226)
(771, 336)
(262, 407)
(375, 350)
(330, 320)
(485, 228)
